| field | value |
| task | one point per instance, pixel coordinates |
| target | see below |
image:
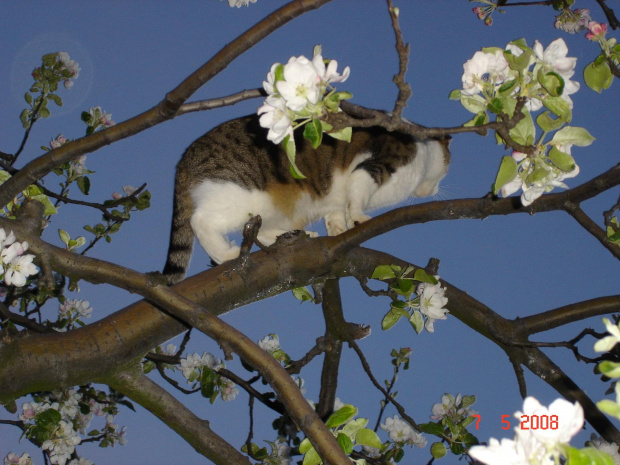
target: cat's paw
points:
(335, 227)
(227, 255)
(312, 233)
(355, 220)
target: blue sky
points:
(132, 53)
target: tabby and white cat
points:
(233, 173)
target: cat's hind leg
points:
(360, 187)
(213, 240)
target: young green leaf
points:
(506, 173)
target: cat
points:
(233, 173)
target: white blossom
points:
(18, 269)
(270, 343)
(573, 21)
(432, 302)
(14, 459)
(274, 116)
(604, 446)
(608, 342)
(534, 446)
(554, 59)
(401, 431)
(482, 70)
(300, 84)
(80, 461)
(74, 309)
(328, 74)
(283, 452)
(71, 66)
(193, 362)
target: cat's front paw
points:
(355, 220)
(312, 233)
(335, 227)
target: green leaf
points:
(86, 117)
(598, 77)
(312, 458)
(84, 184)
(438, 450)
(552, 82)
(303, 294)
(25, 118)
(468, 401)
(610, 369)
(50, 209)
(547, 123)
(279, 74)
(289, 147)
(305, 446)
(562, 160)
(383, 272)
(341, 416)
(610, 407)
(506, 173)
(434, 428)
(367, 437)
(455, 94)
(586, 456)
(403, 287)
(56, 99)
(64, 236)
(4, 175)
(417, 321)
(345, 443)
(422, 276)
(344, 134)
(28, 98)
(474, 103)
(573, 135)
(44, 112)
(496, 105)
(313, 131)
(392, 317)
(352, 428)
(559, 107)
(525, 131)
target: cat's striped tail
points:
(181, 240)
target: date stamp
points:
(527, 422)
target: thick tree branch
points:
(555, 318)
(196, 431)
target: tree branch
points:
(196, 431)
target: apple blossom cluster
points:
(454, 409)
(424, 303)
(71, 312)
(301, 90)
(15, 265)
(610, 449)
(537, 175)
(573, 21)
(402, 432)
(203, 370)
(55, 67)
(95, 119)
(494, 80)
(56, 420)
(271, 345)
(295, 91)
(535, 446)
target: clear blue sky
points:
(132, 53)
